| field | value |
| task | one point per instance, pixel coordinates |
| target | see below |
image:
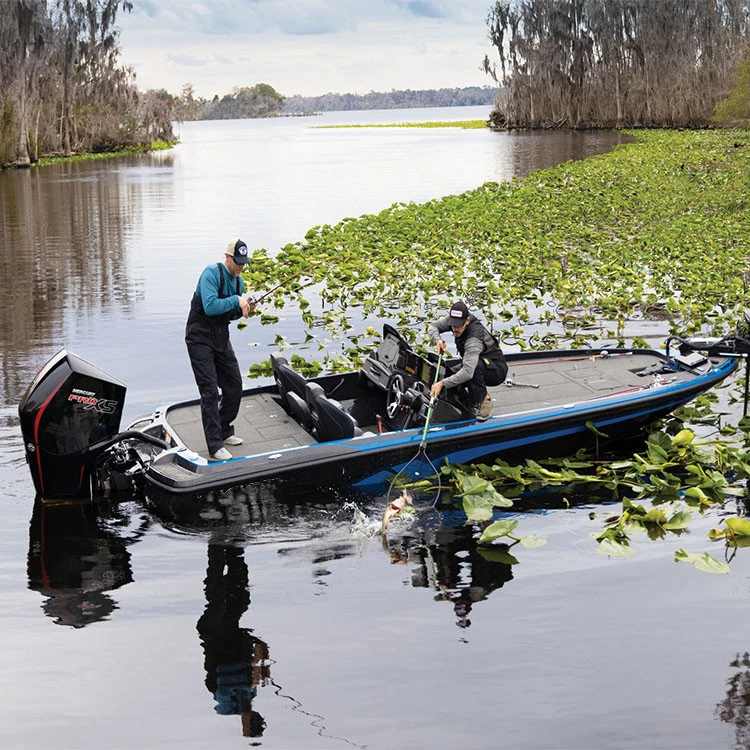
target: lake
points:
(284, 622)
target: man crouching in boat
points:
(218, 301)
(482, 359)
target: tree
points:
(735, 109)
(22, 36)
(62, 88)
(611, 63)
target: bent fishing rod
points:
(256, 300)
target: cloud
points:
(426, 8)
(187, 60)
(306, 47)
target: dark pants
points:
(489, 371)
(216, 369)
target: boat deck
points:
(265, 426)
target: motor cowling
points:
(67, 414)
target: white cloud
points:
(306, 46)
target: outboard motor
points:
(70, 414)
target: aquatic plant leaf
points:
(469, 484)
(739, 526)
(697, 495)
(570, 464)
(612, 548)
(683, 437)
(532, 541)
(496, 530)
(680, 520)
(704, 561)
(618, 465)
(591, 426)
(477, 508)
(654, 516)
(656, 454)
(498, 554)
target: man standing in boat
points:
(482, 359)
(216, 302)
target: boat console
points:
(406, 377)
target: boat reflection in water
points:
(446, 558)
(78, 554)
(236, 661)
(438, 546)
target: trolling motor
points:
(736, 344)
(70, 419)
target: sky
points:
(307, 47)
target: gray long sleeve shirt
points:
(473, 349)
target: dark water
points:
(255, 618)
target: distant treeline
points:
(263, 100)
(242, 102)
(457, 97)
(62, 89)
(616, 63)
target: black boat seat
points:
(330, 420)
(287, 379)
(300, 410)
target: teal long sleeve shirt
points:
(208, 290)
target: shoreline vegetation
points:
(464, 124)
(46, 161)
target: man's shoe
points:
(221, 455)
(233, 440)
(484, 410)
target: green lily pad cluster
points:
(657, 229)
(676, 473)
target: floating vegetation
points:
(465, 124)
(656, 230)
(140, 148)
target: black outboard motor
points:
(69, 416)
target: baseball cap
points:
(459, 314)
(238, 250)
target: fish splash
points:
(394, 509)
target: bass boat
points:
(359, 428)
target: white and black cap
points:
(237, 250)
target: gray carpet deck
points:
(265, 427)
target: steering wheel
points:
(394, 396)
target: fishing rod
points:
(421, 451)
(256, 300)
(604, 354)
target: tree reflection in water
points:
(735, 708)
(236, 662)
(78, 553)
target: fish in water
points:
(394, 509)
